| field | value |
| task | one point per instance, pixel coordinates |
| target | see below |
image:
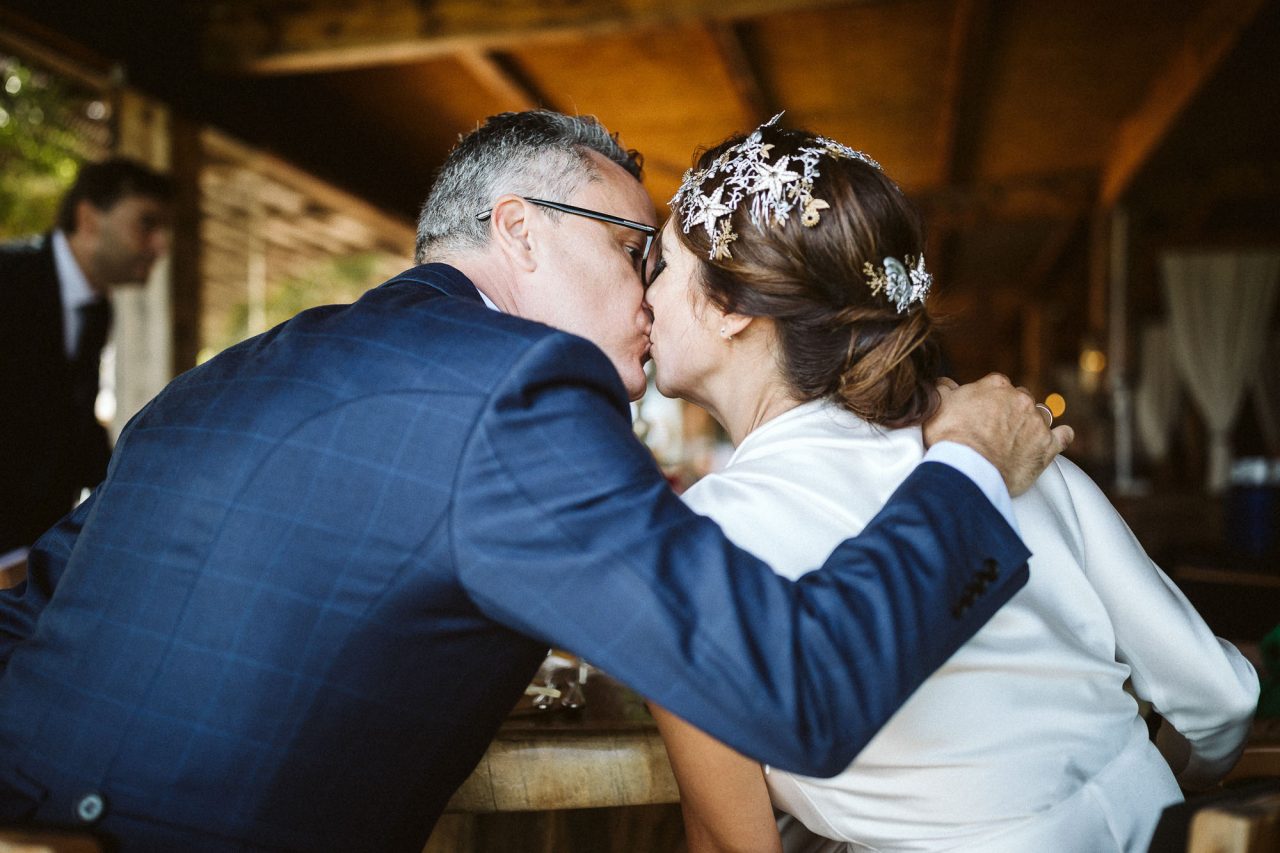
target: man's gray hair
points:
(539, 153)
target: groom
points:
(324, 564)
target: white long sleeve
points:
(1026, 738)
(1200, 684)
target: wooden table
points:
(606, 754)
(594, 779)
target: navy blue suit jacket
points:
(323, 566)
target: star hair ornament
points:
(774, 190)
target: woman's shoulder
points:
(816, 447)
(814, 475)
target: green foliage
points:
(46, 131)
(332, 281)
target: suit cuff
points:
(977, 468)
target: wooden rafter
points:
(1051, 251)
(963, 85)
(1210, 38)
(54, 51)
(500, 75)
(744, 76)
(1052, 197)
(393, 229)
(275, 36)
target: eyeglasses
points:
(648, 231)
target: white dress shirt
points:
(74, 288)
(1025, 740)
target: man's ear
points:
(87, 217)
(509, 228)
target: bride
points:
(790, 302)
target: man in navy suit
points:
(55, 313)
(324, 564)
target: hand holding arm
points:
(1000, 422)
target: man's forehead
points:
(618, 192)
(136, 203)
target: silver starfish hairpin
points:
(774, 188)
(904, 282)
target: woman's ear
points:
(735, 324)
(509, 228)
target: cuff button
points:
(90, 808)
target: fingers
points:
(1063, 436)
(996, 380)
(946, 387)
(1046, 413)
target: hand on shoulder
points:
(1002, 423)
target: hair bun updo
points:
(838, 337)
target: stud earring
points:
(724, 333)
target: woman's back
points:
(1027, 731)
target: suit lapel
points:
(44, 301)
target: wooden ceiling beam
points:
(56, 52)
(1210, 39)
(502, 77)
(296, 36)
(1052, 251)
(1051, 197)
(959, 125)
(963, 85)
(220, 147)
(748, 85)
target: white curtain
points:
(1220, 308)
(1156, 397)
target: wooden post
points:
(1117, 350)
(142, 335)
(1098, 264)
(186, 247)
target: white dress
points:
(1026, 739)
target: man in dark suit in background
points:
(324, 564)
(55, 314)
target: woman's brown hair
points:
(837, 338)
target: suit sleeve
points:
(21, 605)
(565, 530)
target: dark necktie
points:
(95, 321)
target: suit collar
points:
(444, 278)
